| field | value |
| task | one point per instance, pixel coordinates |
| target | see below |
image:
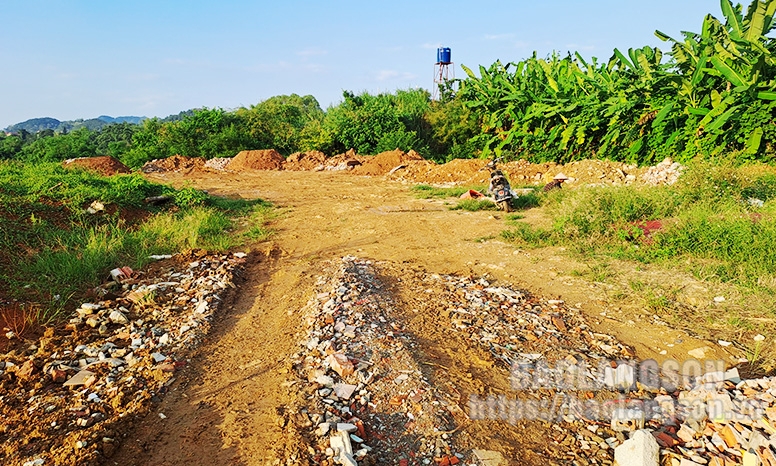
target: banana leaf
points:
(635, 147)
(729, 73)
(663, 113)
(697, 111)
(732, 17)
(469, 72)
(753, 143)
(716, 112)
(720, 121)
(645, 66)
(623, 59)
(756, 19)
(766, 95)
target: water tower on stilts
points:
(443, 72)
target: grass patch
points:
(424, 191)
(473, 205)
(717, 223)
(705, 224)
(51, 249)
(526, 201)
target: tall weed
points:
(719, 221)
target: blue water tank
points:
(443, 55)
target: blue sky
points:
(84, 58)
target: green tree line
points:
(406, 119)
(712, 93)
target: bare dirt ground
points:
(232, 403)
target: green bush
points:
(73, 250)
(704, 223)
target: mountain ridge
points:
(34, 125)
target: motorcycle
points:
(499, 187)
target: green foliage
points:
(716, 93)
(370, 124)
(473, 205)
(115, 139)
(526, 201)
(59, 147)
(189, 197)
(424, 191)
(74, 188)
(287, 123)
(206, 133)
(705, 223)
(74, 250)
(455, 129)
(10, 146)
(524, 235)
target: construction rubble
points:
(370, 403)
(68, 398)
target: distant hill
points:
(122, 119)
(94, 124)
(34, 125)
(39, 124)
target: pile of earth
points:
(385, 162)
(411, 167)
(312, 160)
(104, 165)
(265, 159)
(176, 163)
(520, 172)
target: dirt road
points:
(229, 407)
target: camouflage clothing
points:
(554, 184)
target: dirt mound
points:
(305, 161)
(384, 162)
(104, 165)
(265, 159)
(347, 161)
(174, 164)
(520, 172)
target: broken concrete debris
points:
(111, 359)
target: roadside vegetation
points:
(64, 229)
(717, 223)
(710, 93)
(707, 101)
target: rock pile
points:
(368, 399)
(665, 173)
(218, 163)
(175, 163)
(368, 402)
(67, 399)
(518, 328)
